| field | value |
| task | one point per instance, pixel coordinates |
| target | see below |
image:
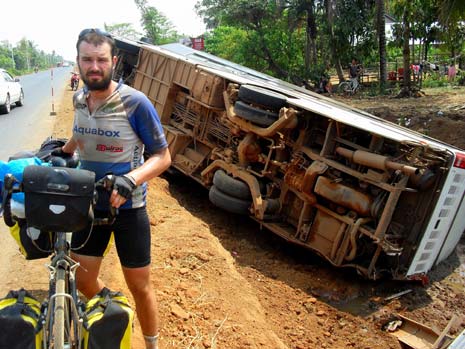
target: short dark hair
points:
(96, 37)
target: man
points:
(451, 72)
(113, 125)
(354, 69)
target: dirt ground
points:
(224, 283)
(440, 113)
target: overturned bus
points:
(358, 190)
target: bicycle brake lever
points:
(8, 182)
(5, 209)
(109, 184)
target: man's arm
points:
(67, 150)
(70, 146)
(153, 167)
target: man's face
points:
(96, 65)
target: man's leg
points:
(138, 281)
(133, 240)
(88, 246)
(87, 278)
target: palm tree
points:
(406, 10)
(330, 6)
(310, 52)
(406, 89)
(381, 24)
(451, 10)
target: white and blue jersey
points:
(114, 137)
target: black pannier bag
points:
(45, 154)
(58, 199)
(108, 321)
(39, 245)
(49, 145)
(20, 321)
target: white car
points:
(10, 92)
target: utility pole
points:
(27, 60)
(53, 112)
(12, 56)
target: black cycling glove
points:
(125, 185)
(60, 153)
(59, 158)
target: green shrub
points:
(435, 81)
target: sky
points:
(54, 25)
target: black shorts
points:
(132, 238)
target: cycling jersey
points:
(113, 138)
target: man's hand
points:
(125, 185)
(123, 188)
(60, 158)
(60, 153)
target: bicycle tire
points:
(344, 87)
(59, 311)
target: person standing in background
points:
(451, 73)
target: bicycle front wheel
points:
(59, 311)
(344, 87)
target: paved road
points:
(26, 127)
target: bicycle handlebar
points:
(9, 188)
(108, 183)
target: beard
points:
(97, 85)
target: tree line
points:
(301, 40)
(25, 57)
(298, 40)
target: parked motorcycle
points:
(74, 81)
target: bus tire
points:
(261, 96)
(255, 115)
(231, 186)
(228, 203)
